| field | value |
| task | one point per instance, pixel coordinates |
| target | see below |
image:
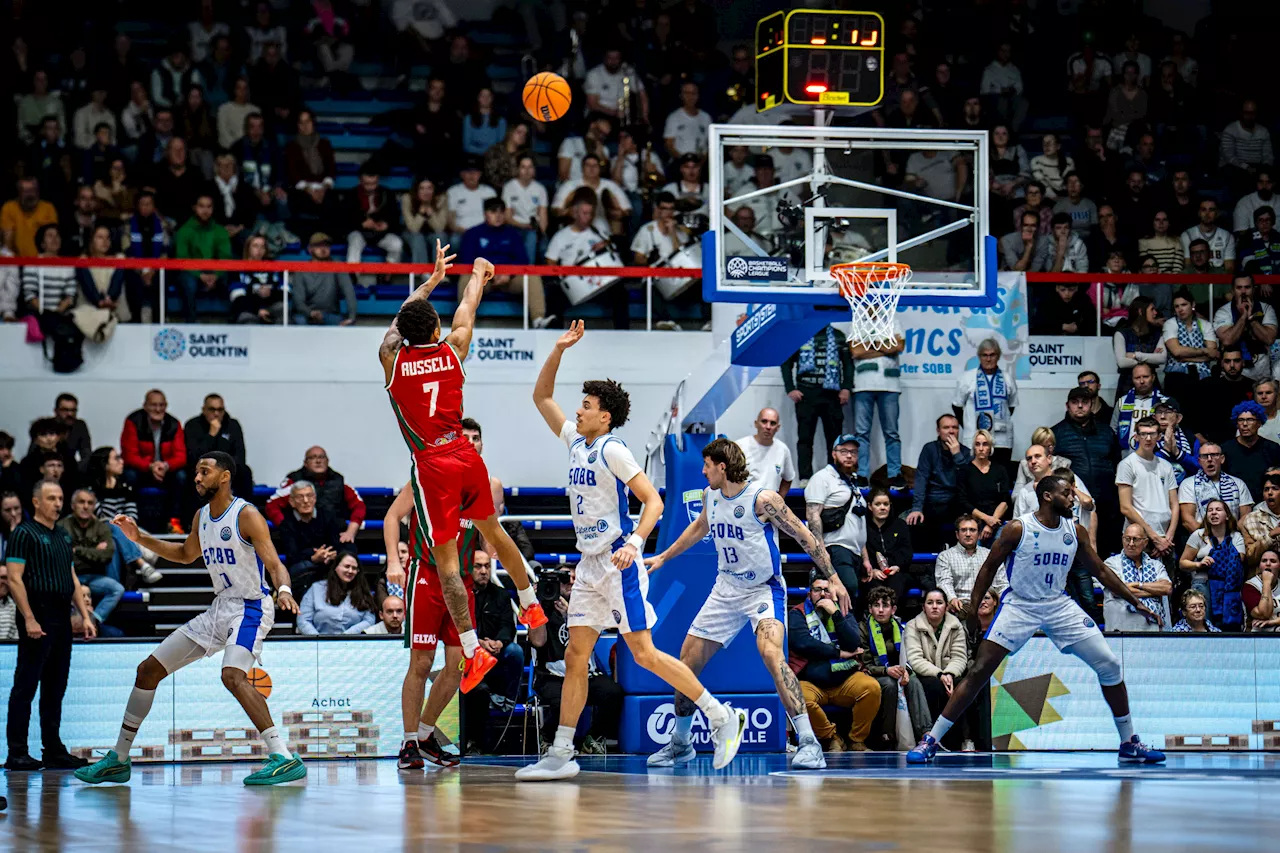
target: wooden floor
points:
(1076, 803)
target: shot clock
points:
(820, 58)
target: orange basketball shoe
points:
(476, 667)
(533, 616)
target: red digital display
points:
(820, 57)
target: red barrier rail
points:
(343, 266)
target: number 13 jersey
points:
(746, 550)
(1038, 567)
(233, 564)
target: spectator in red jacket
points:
(155, 454)
(332, 494)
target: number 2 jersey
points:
(426, 395)
(598, 475)
(233, 564)
(1038, 568)
(746, 547)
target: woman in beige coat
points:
(936, 651)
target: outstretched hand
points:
(574, 334)
(127, 526)
(482, 269)
(286, 602)
(443, 261)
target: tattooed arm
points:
(696, 531)
(771, 508)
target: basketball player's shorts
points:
(447, 487)
(230, 623)
(428, 621)
(731, 605)
(604, 597)
(1017, 619)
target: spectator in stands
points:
(136, 120)
(1110, 236)
(1218, 531)
(574, 148)
(1209, 484)
(888, 545)
(465, 200)
(1259, 595)
(823, 652)
(144, 236)
(220, 71)
(1221, 393)
(818, 378)
(9, 288)
(373, 218)
(1222, 246)
(1091, 445)
(1249, 323)
(612, 204)
(1245, 146)
(768, 460)
(1161, 245)
(464, 74)
(937, 652)
(10, 480)
(1242, 217)
(235, 204)
(153, 145)
(77, 229)
(94, 551)
(1140, 340)
(1002, 88)
(985, 398)
(1131, 53)
(86, 120)
(1145, 576)
(877, 387)
(215, 430)
(76, 442)
(1138, 402)
(174, 77)
(502, 243)
(104, 288)
(8, 609)
(1051, 167)
(944, 178)
(200, 238)
(204, 30)
(49, 288)
(1265, 395)
(1010, 172)
(482, 127)
(1261, 527)
(332, 494)
(983, 487)
(1174, 445)
(837, 513)
(422, 27)
(1195, 617)
(604, 90)
(1126, 107)
(105, 477)
(35, 106)
(232, 114)
(502, 159)
(1260, 251)
(48, 441)
(1200, 261)
(689, 190)
(339, 604)
(265, 31)
(1018, 248)
(50, 160)
(656, 244)
(310, 170)
(23, 217)
(957, 567)
(1083, 212)
(527, 203)
(154, 448)
(1069, 311)
(1248, 455)
(685, 130)
(275, 85)
(259, 160)
(934, 497)
(390, 616)
(426, 220)
(576, 243)
(496, 627)
(309, 534)
(1034, 202)
(604, 696)
(177, 186)
(885, 660)
(330, 35)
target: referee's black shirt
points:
(47, 558)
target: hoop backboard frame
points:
(813, 284)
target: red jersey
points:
(426, 395)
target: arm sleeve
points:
(788, 466)
(1121, 351)
(847, 633)
(620, 461)
(942, 575)
(290, 550)
(959, 655)
(348, 293)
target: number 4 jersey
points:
(1038, 567)
(233, 564)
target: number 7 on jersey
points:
(432, 388)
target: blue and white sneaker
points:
(925, 750)
(675, 752)
(1138, 752)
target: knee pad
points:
(1098, 655)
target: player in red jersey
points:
(448, 479)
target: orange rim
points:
(873, 272)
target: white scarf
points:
(228, 190)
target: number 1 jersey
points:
(233, 564)
(426, 395)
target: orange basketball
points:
(547, 96)
(260, 681)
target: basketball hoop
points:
(872, 291)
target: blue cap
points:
(847, 438)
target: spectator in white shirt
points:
(204, 31)
(1263, 196)
(685, 131)
(232, 114)
(1245, 146)
(1149, 489)
(571, 246)
(656, 243)
(957, 567)
(390, 617)
(1131, 53)
(768, 459)
(1001, 88)
(612, 203)
(422, 25)
(465, 201)
(765, 207)
(526, 201)
(1145, 576)
(1248, 323)
(738, 172)
(836, 511)
(791, 163)
(1222, 246)
(574, 148)
(1211, 483)
(604, 87)
(689, 192)
(87, 118)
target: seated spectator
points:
(501, 243)
(1245, 147)
(1061, 251)
(527, 203)
(1262, 521)
(1051, 168)
(197, 127)
(1018, 248)
(154, 448)
(689, 190)
(200, 238)
(426, 220)
(1195, 617)
(422, 27)
(1034, 202)
(257, 297)
(612, 205)
(372, 212)
(1221, 245)
(1192, 347)
(115, 193)
(1039, 464)
(1161, 245)
(1082, 211)
(105, 288)
(1138, 402)
(1260, 248)
(105, 476)
(23, 217)
(1250, 323)
(1002, 90)
(232, 114)
(1044, 437)
(1200, 261)
(1110, 238)
(275, 85)
(310, 170)
(957, 567)
(77, 441)
(1174, 445)
(77, 229)
(1145, 576)
(95, 551)
(603, 87)
(496, 627)
(574, 148)
(1010, 172)
(1265, 394)
(145, 237)
(330, 36)
(502, 159)
(51, 160)
(1221, 393)
(768, 459)
(1243, 217)
(1139, 340)
(888, 545)
(1148, 489)
(332, 494)
(1127, 105)
(1261, 598)
(98, 154)
(308, 534)
(576, 243)
(1248, 455)
(48, 442)
(220, 70)
(685, 129)
(1069, 311)
(390, 617)
(823, 652)
(463, 72)
(314, 295)
(983, 487)
(259, 160)
(339, 604)
(884, 659)
(985, 398)
(137, 119)
(934, 499)
(35, 105)
(235, 204)
(9, 288)
(482, 127)
(937, 654)
(8, 607)
(633, 169)
(1218, 537)
(215, 430)
(657, 242)
(837, 513)
(176, 185)
(604, 696)
(48, 288)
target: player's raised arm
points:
(464, 318)
(400, 507)
(253, 527)
(772, 508)
(650, 515)
(697, 529)
(391, 340)
(1004, 545)
(1110, 579)
(544, 390)
(182, 553)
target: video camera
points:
(549, 581)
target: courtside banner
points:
(220, 346)
(647, 722)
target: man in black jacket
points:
(496, 628)
(824, 649)
(308, 536)
(374, 216)
(214, 429)
(66, 408)
(1094, 452)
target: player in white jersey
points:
(740, 517)
(232, 537)
(609, 591)
(1036, 552)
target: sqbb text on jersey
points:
(1039, 565)
(598, 499)
(233, 564)
(746, 551)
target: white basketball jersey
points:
(233, 564)
(746, 551)
(1038, 567)
(597, 498)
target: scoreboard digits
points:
(819, 57)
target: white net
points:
(872, 291)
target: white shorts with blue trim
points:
(1017, 620)
(232, 623)
(730, 606)
(604, 597)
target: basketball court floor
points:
(872, 802)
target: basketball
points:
(547, 96)
(260, 681)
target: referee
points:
(43, 582)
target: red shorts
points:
(448, 487)
(429, 621)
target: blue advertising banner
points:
(647, 722)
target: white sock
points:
(470, 642)
(409, 737)
(940, 727)
(135, 711)
(715, 712)
(1124, 725)
(424, 731)
(683, 730)
(527, 596)
(804, 729)
(564, 739)
(275, 743)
